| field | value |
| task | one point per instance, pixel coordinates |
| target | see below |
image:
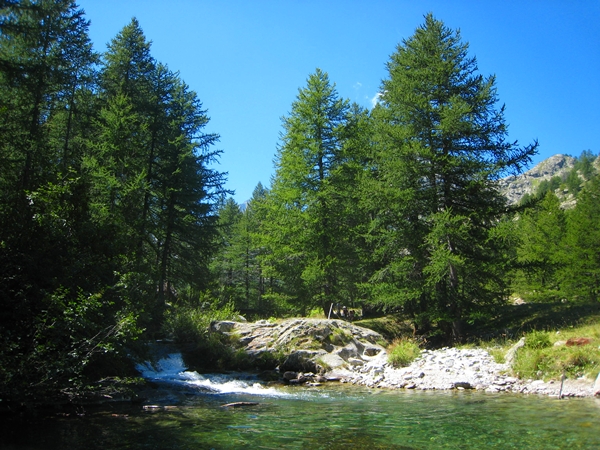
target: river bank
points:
(342, 351)
(453, 368)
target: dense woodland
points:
(115, 226)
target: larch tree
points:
(581, 272)
(308, 214)
(541, 231)
(440, 144)
(152, 165)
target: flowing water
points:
(187, 413)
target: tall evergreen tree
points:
(540, 255)
(309, 215)
(581, 273)
(152, 169)
(54, 318)
(440, 147)
(190, 189)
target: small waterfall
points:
(172, 370)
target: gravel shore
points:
(452, 368)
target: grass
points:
(542, 359)
(390, 327)
(402, 352)
(545, 355)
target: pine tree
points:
(54, 318)
(581, 273)
(308, 214)
(440, 147)
(541, 231)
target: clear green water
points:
(323, 418)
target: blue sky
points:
(247, 59)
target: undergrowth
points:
(402, 352)
(546, 355)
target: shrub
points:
(187, 324)
(537, 340)
(403, 352)
(552, 362)
(190, 327)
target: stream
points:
(187, 412)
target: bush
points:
(537, 340)
(403, 352)
(553, 362)
(187, 324)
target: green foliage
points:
(203, 349)
(537, 340)
(573, 182)
(540, 252)
(581, 274)
(585, 164)
(403, 352)
(546, 186)
(238, 266)
(106, 196)
(68, 334)
(310, 208)
(190, 324)
(430, 190)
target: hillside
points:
(515, 187)
(548, 171)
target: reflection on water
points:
(332, 417)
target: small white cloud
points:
(357, 85)
(375, 100)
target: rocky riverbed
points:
(452, 368)
(338, 350)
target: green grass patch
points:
(390, 327)
(402, 352)
(542, 359)
(553, 362)
(537, 340)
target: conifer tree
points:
(540, 255)
(581, 273)
(308, 210)
(440, 147)
(151, 167)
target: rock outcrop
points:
(515, 187)
(308, 345)
(316, 351)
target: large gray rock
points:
(310, 345)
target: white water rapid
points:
(172, 370)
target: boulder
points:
(300, 361)
(578, 342)
(224, 326)
(308, 345)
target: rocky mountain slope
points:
(515, 187)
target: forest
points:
(116, 228)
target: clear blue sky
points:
(246, 60)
